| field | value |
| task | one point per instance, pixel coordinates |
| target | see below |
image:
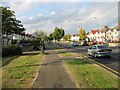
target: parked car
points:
(84, 43)
(99, 51)
(75, 44)
(26, 46)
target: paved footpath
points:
(53, 74)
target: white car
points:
(99, 51)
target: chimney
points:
(106, 27)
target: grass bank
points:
(20, 71)
(67, 54)
(90, 75)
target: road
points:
(112, 62)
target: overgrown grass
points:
(89, 75)
(67, 54)
(21, 71)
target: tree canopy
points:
(40, 35)
(50, 37)
(82, 34)
(67, 37)
(58, 33)
(9, 23)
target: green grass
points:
(67, 54)
(21, 71)
(89, 75)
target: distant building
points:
(95, 35)
(105, 35)
(15, 38)
(75, 37)
(116, 33)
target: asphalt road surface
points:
(112, 62)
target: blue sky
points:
(68, 15)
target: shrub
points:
(11, 50)
(34, 43)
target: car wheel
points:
(109, 56)
(88, 54)
(95, 55)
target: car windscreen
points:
(101, 47)
(75, 42)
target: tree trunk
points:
(42, 47)
(7, 38)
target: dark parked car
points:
(75, 44)
(84, 43)
(99, 51)
(26, 46)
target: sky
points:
(46, 15)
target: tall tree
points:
(82, 33)
(67, 37)
(42, 37)
(9, 23)
(50, 37)
(58, 33)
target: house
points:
(106, 34)
(75, 37)
(112, 35)
(15, 38)
(95, 35)
(116, 33)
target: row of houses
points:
(104, 35)
(15, 38)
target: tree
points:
(82, 34)
(9, 23)
(62, 33)
(42, 37)
(58, 33)
(50, 37)
(67, 37)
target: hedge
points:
(35, 43)
(8, 50)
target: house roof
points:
(94, 31)
(76, 35)
(105, 29)
(117, 27)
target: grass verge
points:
(21, 71)
(67, 54)
(88, 74)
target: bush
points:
(11, 50)
(34, 43)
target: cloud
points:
(22, 7)
(64, 0)
(40, 14)
(52, 13)
(68, 16)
